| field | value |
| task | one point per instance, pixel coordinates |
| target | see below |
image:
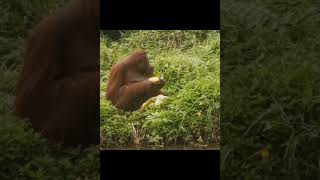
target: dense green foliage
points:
(190, 63)
(23, 154)
(270, 90)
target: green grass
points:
(270, 90)
(23, 153)
(190, 63)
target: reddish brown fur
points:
(58, 89)
(129, 85)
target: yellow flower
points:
(264, 153)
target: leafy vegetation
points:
(270, 90)
(23, 153)
(190, 63)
